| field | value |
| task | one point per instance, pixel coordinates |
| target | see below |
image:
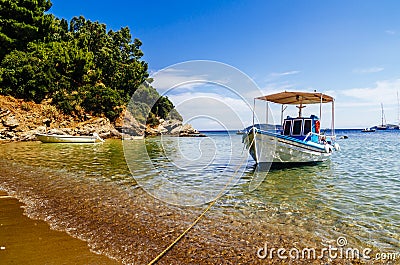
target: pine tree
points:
(22, 21)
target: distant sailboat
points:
(383, 126)
(396, 126)
(398, 111)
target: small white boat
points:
(368, 130)
(59, 138)
(300, 140)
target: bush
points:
(25, 106)
(99, 99)
(81, 69)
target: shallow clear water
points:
(356, 194)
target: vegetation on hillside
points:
(78, 66)
(145, 97)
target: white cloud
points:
(368, 70)
(390, 32)
(169, 78)
(382, 92)
(212, 108)
(270, 88)
(212, 94)
(361, 107)
(355, 108)
(198, 75)
(284, 73)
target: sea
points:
(355, 195)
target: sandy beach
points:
(133, 228)
(27, 241)
(80, 200)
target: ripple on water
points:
(357, 194)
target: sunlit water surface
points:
(356, 194)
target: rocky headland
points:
(21, 121)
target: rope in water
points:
(200, 216)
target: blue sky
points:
(349, 49)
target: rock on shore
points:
(174, 128)
(21, 121)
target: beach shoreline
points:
(133, 227)
(27, 241)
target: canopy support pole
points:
(320, 109)
(254, 109)
(333, 117)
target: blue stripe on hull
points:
(286, 151)
(291, 139)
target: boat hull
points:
(50, 138)
(272, 148)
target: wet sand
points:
(128, 225)
(27, 241)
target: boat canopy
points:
(295, 98)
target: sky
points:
(347, 49)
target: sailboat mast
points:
(382, 113)
(398, 108)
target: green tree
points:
(100, 99)
(79, 66)
(23, 21)
(115, 55)
(44, 70)
(158, 106)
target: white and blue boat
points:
(299, 140)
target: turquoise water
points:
(356, 194)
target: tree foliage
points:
(23, 21)
(158, 106)
(79, 66)
(44, 70)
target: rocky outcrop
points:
(21, 121)
(102, 126)
(10, 122)
(128, 126)
(174, 128)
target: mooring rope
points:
(200, 216)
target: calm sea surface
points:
(356, 194)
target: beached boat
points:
(300, 140)
(58, 138)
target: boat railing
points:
(321, 137)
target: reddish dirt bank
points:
(21, 120)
